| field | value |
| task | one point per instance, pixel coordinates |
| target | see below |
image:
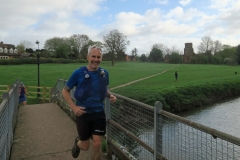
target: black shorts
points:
(91, 124)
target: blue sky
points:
(144, 22)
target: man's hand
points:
(112, 98)
(78, 111)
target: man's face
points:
(94, 59)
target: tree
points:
(60, 47)
(134, 54)
(205, 45)
(156, 55)
(53, 43)
(227, 52)
(115, 43)
(26, 44)
(238, 54)
(175, 58)
(165, 50)
(79, 42)
(216, 47)
(62, 51)
(143, 58)
(29, 50)
(21, 48)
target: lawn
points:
(197, 84)
(49, 73)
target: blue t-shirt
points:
(91, 88)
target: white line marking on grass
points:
(126, 84)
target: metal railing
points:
(141, 132)
(8, 116)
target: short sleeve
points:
(72, 81)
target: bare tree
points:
(134, 53)
(165, 50)
(115, 43)
(217, 46)
(79, 42)
(26, 44)
(205, 45)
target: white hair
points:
(91, 47)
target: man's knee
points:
(97, 145)
(84, 145)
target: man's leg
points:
(24, 102)
(83, 145)
(97, 147)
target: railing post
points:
(108, 134)
(157, 130)
(44, 94)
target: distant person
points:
(91, 83)
(22, 94)
(176, 76)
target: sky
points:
(144, 22)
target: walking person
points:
(91, 83)
(22, 94)
(176, 76)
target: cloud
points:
(162, 1)
(223, 4)
(150, 28)
(187, 15)
(184, 2)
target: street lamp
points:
(38, 56)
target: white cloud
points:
(184, 2)
(187, 15)
(170, 25)
(162, 1)
(220, 5)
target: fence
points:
(44, 93)
(8, 115)
(141, 132)
(3, 89)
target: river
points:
(224, 116)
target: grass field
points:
(124, 72)
(49, 73)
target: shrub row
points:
(42, 60)
(187, 97)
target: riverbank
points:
(188, 97)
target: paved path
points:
(44, 132)
(123, 85)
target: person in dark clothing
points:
(176, 76)
(22, 94)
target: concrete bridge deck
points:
(44, 132)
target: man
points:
(91, 83)
(176, 76)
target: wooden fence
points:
(44, 93)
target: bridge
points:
(134, 131)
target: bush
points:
(187, 97)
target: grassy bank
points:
(197, 84)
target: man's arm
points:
(111, 97)
(78, 111)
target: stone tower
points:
(188, 53)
